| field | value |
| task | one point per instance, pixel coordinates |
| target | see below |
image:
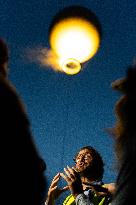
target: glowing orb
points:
(74, 38)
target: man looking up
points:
(84, 181)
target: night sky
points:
(68, 112)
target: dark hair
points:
(125, 108)
(4, 56)
(97, 167)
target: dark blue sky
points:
(68, 112)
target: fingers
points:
(69, 176)
(65, 177)
(65, 188)
(74, 168)
(69, 172)
(55, 181)
(57, 176)
(73, 179)
(53, 188)
(54, 192)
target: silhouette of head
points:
(125, 109)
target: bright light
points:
(74, 38)
(70, 66)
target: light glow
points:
(70, 66)
(75, 38)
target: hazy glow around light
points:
(75, 38)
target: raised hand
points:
(73, 180)
(54, 192)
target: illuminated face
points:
(83, 160)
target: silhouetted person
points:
(125, 138)
(22, 178)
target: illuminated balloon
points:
(74, 36)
